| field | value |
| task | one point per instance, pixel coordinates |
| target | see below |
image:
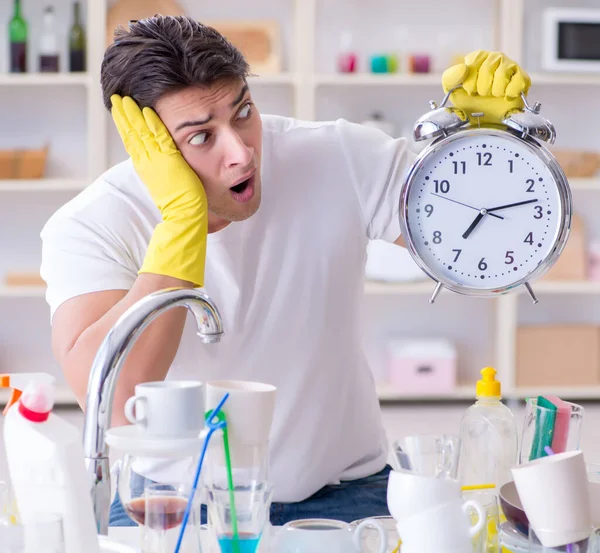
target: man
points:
(272, 216)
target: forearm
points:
(149, 358)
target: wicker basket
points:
(23, 164)
(578, 163)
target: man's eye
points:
(245, 111)
(199, 138)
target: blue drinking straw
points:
(214, 423)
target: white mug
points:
(409, 493)
(446, 527)
(249, 409)
(326, 536)
(167, 409)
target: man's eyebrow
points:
(195, 123)
(198, 122)
(240, 96)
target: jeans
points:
(347, 501)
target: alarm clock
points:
(485, 208)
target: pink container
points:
(422, 367)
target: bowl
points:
(512, 508)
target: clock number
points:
(538, 212)
(463, 167)
(511, 165)
(429, 210)
(509, 258)
(482, 264)
(485, 155)
(442, 186)
(437, 237)
(458, 252)
(530, 182)
(529, 239)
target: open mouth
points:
(243, 191)
(239, 188)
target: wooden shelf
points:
(44, 79)
(388, 393)
(568, 393)
(275, 78)
(22, 291)
(585, 183)
(384, 79)
(565, 287)
(569, 79)
(41, 185)
(427, 287)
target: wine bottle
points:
(17, 31)
(49, 56)
(77, 47)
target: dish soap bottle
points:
(488, 450)
(46, 464)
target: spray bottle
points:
(488, 450)
(46, 463)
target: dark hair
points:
(161, 54)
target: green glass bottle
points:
(17, 32)
(77, 42)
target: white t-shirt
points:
(288, 283)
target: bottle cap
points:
(37, 401)
(488, 386)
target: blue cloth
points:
(347, 501)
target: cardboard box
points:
(558, 355)
(573, 261)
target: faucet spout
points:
(105, 371)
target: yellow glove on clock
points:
(178, 245)
(491, 83)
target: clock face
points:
(483, 210)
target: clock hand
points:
(511, 205)
(466, 205)
(475, 222)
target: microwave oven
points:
(571, 40)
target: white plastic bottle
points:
(488, 450)
(46, 464)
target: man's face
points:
(219, 133)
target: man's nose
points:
(236, 150)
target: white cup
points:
(326, 536)
(554, 492)
(167, 409)
(409, 493)
(446, 527)
(248, 410)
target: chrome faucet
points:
(105, 372)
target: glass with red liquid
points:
(161, 511)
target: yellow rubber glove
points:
(491, 83)
(178, 245)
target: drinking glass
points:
(164, 509)
(540, 430)
(40, 534)
(238, 518)
(429, 455)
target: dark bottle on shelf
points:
(49, 56)
(17, 32)
(77, 47)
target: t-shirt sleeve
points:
(79, 256)
(378, 166)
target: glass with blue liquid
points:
(239, 518)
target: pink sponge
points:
(561, 424)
